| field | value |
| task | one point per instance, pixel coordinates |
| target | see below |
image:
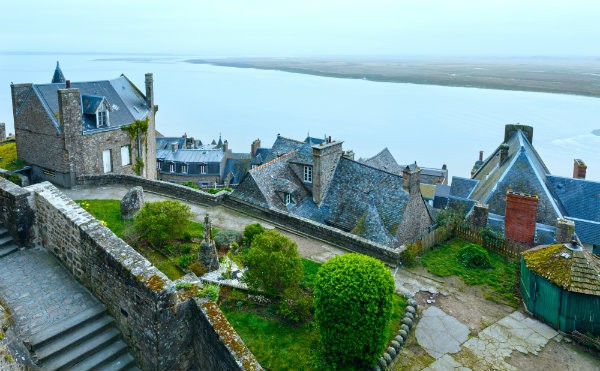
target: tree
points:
(163, 221)
(251, 231)
(274, 265)
(353, 304)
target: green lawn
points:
(8, 152)
(279, 345)
(109, 211)
(499, 281)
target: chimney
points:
(579, 169)
(503, 153)
(69, 111)
(519, 217)
(225, 146)
(326, 157)
(479, 215)
(254, 147)
(564, 230)
(150, 90)
(481, 156)
(411, 182)
(68, 84)
(173, 147)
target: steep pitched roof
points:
(58, 76)
(385, 161)
(462, 187)
(125, 100)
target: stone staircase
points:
(7, 245)
(89, 340)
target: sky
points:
(304, 28)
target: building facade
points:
(64, 130)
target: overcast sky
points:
(304, 27)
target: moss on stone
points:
(155, 283)
(548, 263)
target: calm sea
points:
(432, 125)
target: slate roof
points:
(125, 100)
(165, 143)
(385, 161)
(194, 156)
(91, 103)
(237, 167)
(524, 171)
(576, 271)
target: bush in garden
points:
(473, 256)
(198, 268)
(161, 222)
(226, 237)
(295, 305)
(353, 304)
(274, 264)
(185, 260)
(251, 231)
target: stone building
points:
(515, 184)
(64, 130)
(183, 159)
(316, 179)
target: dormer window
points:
(102, 119)
(308, 174)
(184, 168)
(287, 198)
(202, 168)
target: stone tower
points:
(207, 253)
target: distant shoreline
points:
(553, 78)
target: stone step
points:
(70, 339)
(65, 360)
(5, 250)
(39, 339)
(5, 240)
(103, 357)
(124, 362)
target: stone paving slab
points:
(445, 363)
(39, 291)
(439, 333)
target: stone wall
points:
(2, 131)
(163, 332)
(15, 212)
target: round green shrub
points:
(251, 231)
(353, 304)
(473, 256)
(161, 222)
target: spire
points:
(58, 75)
(220, 144)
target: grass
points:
(8, 153)
(499, 281)
(279, 345)
(109, 211)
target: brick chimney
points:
(519, 217)
(579, 169)
(564, 230)
(503, 153)
(411, 182)
(254, 147)
(326, 157)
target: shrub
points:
(490, 236)
(295, 306)
(210, 291)
(251, 231)
(353, 304)
(198, 268)
(473, 256)
(185, 260)
(274, 265)
(162, 221)
(408, 257)
(185, 249)
(190, 184)
(226, 237)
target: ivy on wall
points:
(138, 130)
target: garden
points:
(296, 313)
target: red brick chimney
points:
(480, 155)
(519, 217)
(579, 169)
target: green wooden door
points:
(547, 301)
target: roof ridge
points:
(273, 161)
(367, 165)
(293, 140)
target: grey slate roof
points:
(167, 142)
(385, 161)
(195, 156)
(580, 198)
(462, 187)
(126, 101)
(238, 167)
(91, 103)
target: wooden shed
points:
(560, 284)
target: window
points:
(184, 168)
(308, 174)
(102, 118)
(202, 168)
(125, 158)
(172, 167)
(287, 198)
(106, 160)
(158, 163)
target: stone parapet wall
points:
(163, 332)
(345, 240)
(15, 211)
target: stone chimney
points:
(579, 169)
(479, 215)
(69, 111)
(519, 217)
(2, 132)
(254, 147)
(150, 90)
(326, 156)
(503, 153)
(225, 146)
(526, 129)
(564, 230)
(411, 182)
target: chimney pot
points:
(503, 153)
(579, 169)
(480, 155)
(68, 84)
